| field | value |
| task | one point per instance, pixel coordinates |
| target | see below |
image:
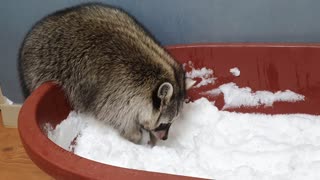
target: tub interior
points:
(263, 67)
(53, 107)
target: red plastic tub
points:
(270, 67)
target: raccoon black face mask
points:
(169, 110)
(108, 65)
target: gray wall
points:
(172, 22)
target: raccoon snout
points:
(163, 127)
(162, 131)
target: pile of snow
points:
(235, 71)
(204, 73)
(237, 97)
(208, 143)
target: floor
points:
(14, 162)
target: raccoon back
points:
(94, 51)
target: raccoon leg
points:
(134, 135)
(153, 139)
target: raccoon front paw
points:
(153, 140)
(134, 137)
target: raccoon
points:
(109, 66)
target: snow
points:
(237, 97)
(204, 73)
(235, 71)
(67, 130)
(208, 143)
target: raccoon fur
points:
(108, 65)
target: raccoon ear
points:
(189, 83)
(165, 92)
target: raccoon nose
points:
(162, 131)
(165, 137)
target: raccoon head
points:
(167, 103)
